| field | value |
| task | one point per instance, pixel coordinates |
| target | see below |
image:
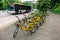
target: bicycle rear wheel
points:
(35, 29)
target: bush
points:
(57, 10)
(38, 13)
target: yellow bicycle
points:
(26, 25)
(30, 24)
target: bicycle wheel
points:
(35, 29)
(15, 32)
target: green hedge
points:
(57, 10)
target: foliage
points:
(54, 3)
(44, 5)
(57, 10)
(29, 3)
(4, 3)
(11, 1)
(37, 13)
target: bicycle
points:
(30, 24)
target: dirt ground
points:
(49, 31)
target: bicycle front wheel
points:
(15, 32)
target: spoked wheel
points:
(35, 29)
(15, 32)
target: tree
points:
(54, 3)
(4, 3)
(44, 5)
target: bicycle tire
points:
(15, 32)
(35, 29)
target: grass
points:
(57, 10)
(37, 12)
